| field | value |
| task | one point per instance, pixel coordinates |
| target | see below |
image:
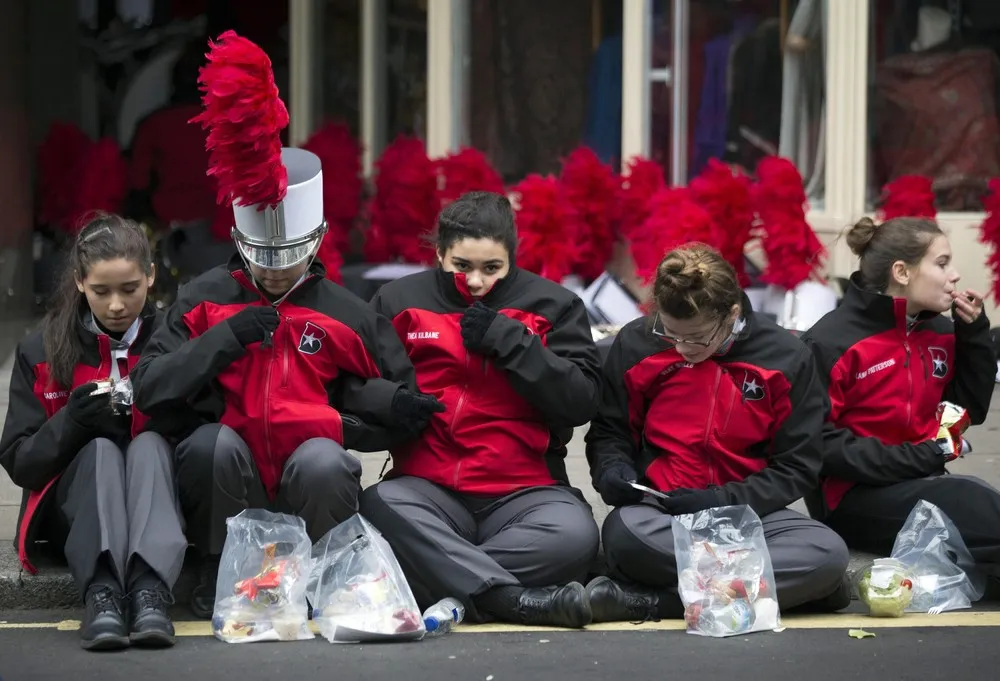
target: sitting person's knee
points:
(319, 461)
(832, 557)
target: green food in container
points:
(886, 588)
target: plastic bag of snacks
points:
(725, 578)
(358, 590)
(263, 573)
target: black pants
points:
(218, 479)
(868, 518)
(120, 507)
(451, 544)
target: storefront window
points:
(406, 55)
(933, 97)
(755, 86)
(544, 78)
(340, 69)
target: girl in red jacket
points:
(718, 406)
(889, 357)
(93, 486)
(478, 506)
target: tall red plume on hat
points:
(464, 171)
(549, 228)
(674, 219)
(642, 178)
(102, 184)
(724, 192)
(592, 189)
(60, 161)
(405, 205)
(244, 117)
(340, 156)
(910, 196)
(989, 233)
(794, 253)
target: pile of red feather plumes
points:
(673, 219)
(77, 176)
(340, 157)
(794, 253)
(244, 117)
(467, 170)
(405, 205)
(908, 196)
(549, 227)
(592, 189)
(643, 179)
(989, 233)
(724, 193)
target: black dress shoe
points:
(150, 624)
(611, 602)
(203, 595)
(103, 626)
(563, 606)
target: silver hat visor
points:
(277, 257)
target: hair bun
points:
(860, 236)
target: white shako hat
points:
(289, 233)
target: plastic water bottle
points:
(442, 617)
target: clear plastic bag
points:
(725, 578)
(357, 589)
(944, 575)
(263, 573)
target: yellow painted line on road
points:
(834, 621)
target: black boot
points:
(611, 602)
(563, 606)
(150, 624)
(103, 626)
(203, 595)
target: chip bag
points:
(954, 420)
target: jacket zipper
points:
(284, 358)
(708, 426)
(458, 410)
(909, 379)
(267, 404)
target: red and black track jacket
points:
(275, 395)
(38, 441)
(886, 375)
(509, 415)
(748, 420)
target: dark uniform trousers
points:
(121, 506)
(451, 544)
(218, 479)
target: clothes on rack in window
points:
(604, 101)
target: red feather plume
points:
(673, 219)
(591, 187)
(103, 183)
(467, 170)
(244, 117)
(794, 253)
(989, 233)
(724, 192)
(60, 165)
(642, 179)
(340, 156)
(910, 196)
(549, 228)
(405, 204)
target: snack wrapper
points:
(954, 421)
(119, 392)
(886, 587)
(725, 577)
(263, 573)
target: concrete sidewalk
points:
(53, 587)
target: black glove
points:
(475, 322)
(614, 485)
(254, 324)
(683, 501)
(413, 410)
(90, 413)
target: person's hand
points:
(254, 324)
(684, 501)
(414, 410)
(615, 485)
(475, 322)
(87, 411)
(968, 305)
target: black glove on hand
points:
(89, 413)
(475, 322)
(414, 410)
(615, 488)
(254, 324)
(683, 501)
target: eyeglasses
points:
(658, 331)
